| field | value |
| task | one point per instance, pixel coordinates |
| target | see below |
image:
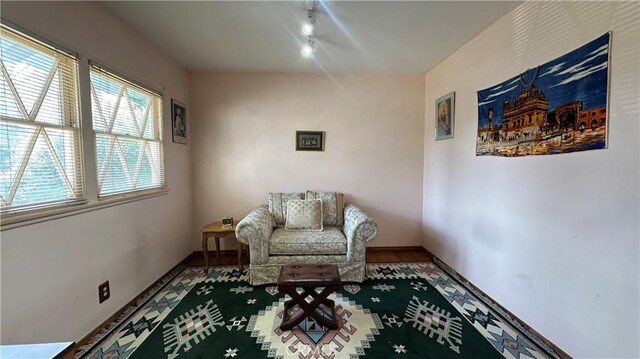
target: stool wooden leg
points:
(218, 249)
(205, 251)
(308, 309)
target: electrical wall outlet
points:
(104, 292)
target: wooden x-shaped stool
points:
(309, 278)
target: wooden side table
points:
(218, 231)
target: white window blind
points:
(40, 138)
(127, 121)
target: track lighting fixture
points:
(307, 30)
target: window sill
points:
(33, 217)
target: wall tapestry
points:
(557, 107)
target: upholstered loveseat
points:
(345, 232)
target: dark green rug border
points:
(516, 323)
(121, 319)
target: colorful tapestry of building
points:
(557, 107)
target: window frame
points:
(91, 201)
(137, 85)
(71, 118)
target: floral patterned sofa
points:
(347, 229)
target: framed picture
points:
(309, 141)
(445, 111)
(178, 122)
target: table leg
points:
(205, 251)
(218, 249)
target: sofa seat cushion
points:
(329, 241)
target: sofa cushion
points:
(329, 241)
(332, 206)
(278, 205)
(304, 215)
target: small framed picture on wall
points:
(178, 122)
(445, 111)
(309, 141)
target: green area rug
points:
(401, 310)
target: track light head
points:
(307, 28)
(307, 49)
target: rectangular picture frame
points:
(309, 141)
(178, 122)
(445, 114)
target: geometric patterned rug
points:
(407, 310)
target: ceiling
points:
(350, 36)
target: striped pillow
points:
(332, 206)
(278, 204)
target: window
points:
(40, 138)
(128, 134)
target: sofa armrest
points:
(358, 225)
(359, 229)
(255, 230)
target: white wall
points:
(50, 271)
(552, 238)
(244, 128)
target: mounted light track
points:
(307, 30)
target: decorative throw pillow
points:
(278, 205)
(304, 215)
(332, 206)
